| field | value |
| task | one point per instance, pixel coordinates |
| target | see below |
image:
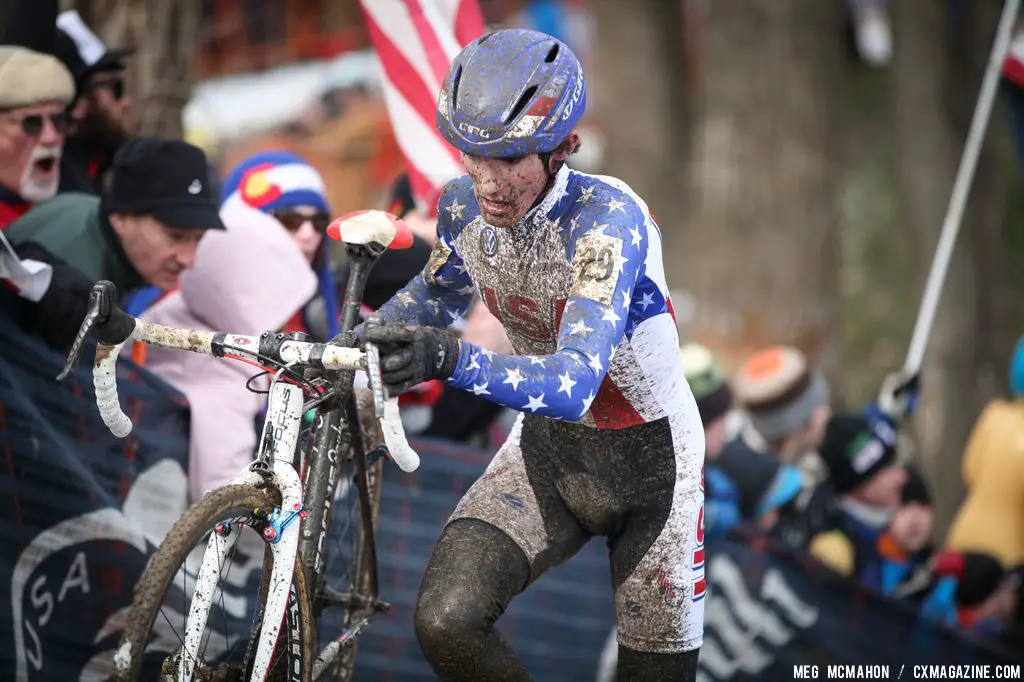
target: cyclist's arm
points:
(442, 292)
(606, 263)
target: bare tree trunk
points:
(759, 250)
(637, 93)
(935, 86)
(165, 34)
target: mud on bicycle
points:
(276, 516)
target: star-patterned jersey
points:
(580, 288)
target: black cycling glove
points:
(412, 354)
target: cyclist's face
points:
(159, 252)
(505, 188)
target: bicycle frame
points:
(273, 466)
(336, 437)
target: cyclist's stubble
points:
(506, 188)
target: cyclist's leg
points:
(510, 527)
(641, 665)
(473, 574)
(657, 559)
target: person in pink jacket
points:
(250, 278)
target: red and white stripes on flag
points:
(415, 41)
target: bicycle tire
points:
(343, 669)
(228, 502)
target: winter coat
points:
(248, 279)
(991, 517)
(74, 228)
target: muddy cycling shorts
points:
(553, 485)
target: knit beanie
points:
(275, 180)
(854, 451)
(708, 384)
(1017, 369)
(915, 490)
(779, 391)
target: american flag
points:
(415, 41)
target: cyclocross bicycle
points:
(275, 517)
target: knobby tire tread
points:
(188, 531)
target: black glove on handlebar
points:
(411, 354)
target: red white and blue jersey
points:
(580, 288)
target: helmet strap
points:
(545, 158)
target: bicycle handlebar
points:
(114, 327)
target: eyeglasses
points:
(116, 86)
(32, 124)
(293, 221)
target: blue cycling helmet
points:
(511, 93)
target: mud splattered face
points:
(505, 188)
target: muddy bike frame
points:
(299, 526)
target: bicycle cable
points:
(287, 373)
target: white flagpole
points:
(961, 189)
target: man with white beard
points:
(35, 90)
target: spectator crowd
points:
(83, 200)
(835, 485)
(86, 201)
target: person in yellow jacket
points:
(991, 518)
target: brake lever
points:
(99, 311)
(376, 383)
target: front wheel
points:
(152, 646)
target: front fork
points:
(273, 468)
(283, 546)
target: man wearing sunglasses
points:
(98, 114)
(146, 226)
(34, 91)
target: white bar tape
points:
(336, 357)
(174, 338)
(394, 437)
(104, 379)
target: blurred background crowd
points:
(798, 156)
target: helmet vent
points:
(552, 53)
(455, 86)
(524, 99)
(484, 37)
